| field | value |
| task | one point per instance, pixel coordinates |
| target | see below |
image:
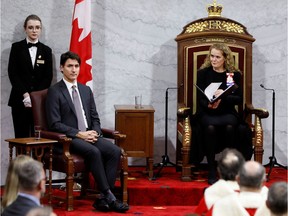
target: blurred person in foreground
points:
(11, 187)
(228, 166)
(41, 211)
(32, 186)
(277, 199)
(249, 201)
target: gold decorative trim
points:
(215, 40)
(215, 25)
(187, 133)
(259, 132)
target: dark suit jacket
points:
(22, 75)
(20, 207)
(61, 114)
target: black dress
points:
(215, 129)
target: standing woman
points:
(218, 121)
(29, 69)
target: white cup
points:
(138, 102)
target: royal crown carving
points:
(214, 9)
(214, 21)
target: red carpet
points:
(143, 191)
(84, 208)
(167, 195)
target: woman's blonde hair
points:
(229, 64)
(12, 182)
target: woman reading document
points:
(218, 120)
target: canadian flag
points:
(81, 42)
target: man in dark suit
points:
(32, 182)
(29, 69)
(101, 156)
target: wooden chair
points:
(69, 163)
(193, 45)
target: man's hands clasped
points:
(89, 136)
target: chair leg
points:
(69, 185)
(124, 177)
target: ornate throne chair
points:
(193, 45)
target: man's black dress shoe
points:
(101, 205)
(118, 206)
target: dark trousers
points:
(22, 121)
(102, 159)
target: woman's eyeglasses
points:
(34, 28)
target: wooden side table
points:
(29, 145)
(138, 125)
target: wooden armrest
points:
(61, 138)
(52, 135)
(112, 134)
(183, 111)
(260, 112)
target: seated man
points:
(229, 164)
(71, 110)
(251, 178)
(32, 182)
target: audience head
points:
(228, 63)
(229, 164)
(12, 180)
(251, 176)
(32, 178)
(277, 199)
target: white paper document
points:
(211, 89)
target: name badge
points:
(40, 61)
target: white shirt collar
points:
(28, 41)
(69, 85)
